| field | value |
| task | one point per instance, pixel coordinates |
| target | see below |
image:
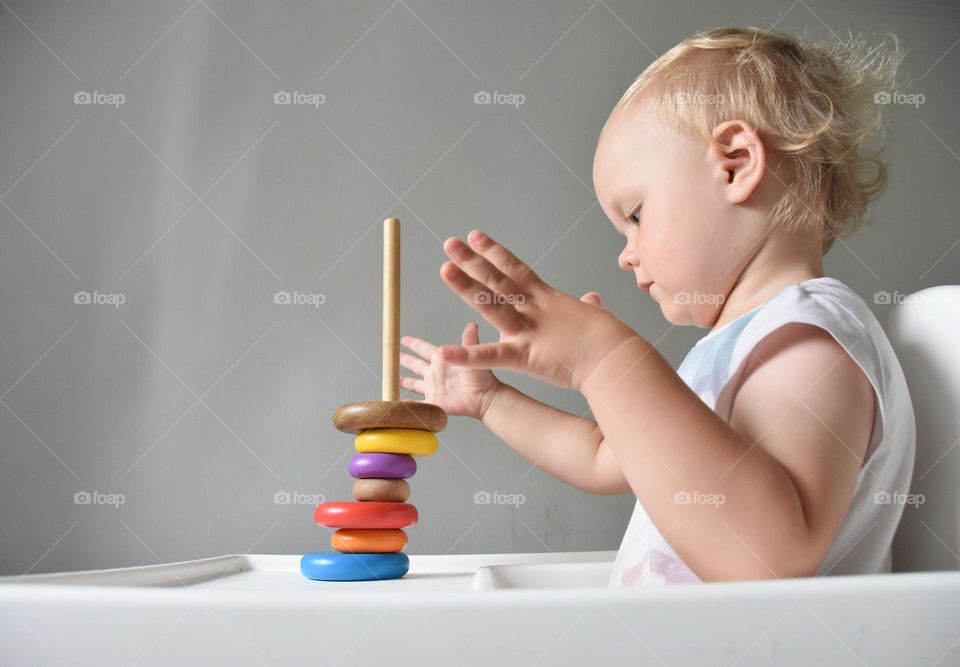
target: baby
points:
(730, 166)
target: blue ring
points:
(337, 566)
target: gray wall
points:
(197, 199)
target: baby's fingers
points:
(491, 355)
(471, 334)
(412, 384)
(421, 347)
(410, 362)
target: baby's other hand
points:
(457, 389)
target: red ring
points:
(368, 514)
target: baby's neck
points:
(765, 276)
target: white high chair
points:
(553, 608)
(923, 330)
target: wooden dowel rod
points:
(391, 310)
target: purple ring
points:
(381, 464)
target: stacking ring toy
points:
(397, 441)
(356, 417)
(354, 567)
(386, 490)
(368, 541)
(390, 466)
(365, 515)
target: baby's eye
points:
(635, 217)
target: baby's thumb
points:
(471, 334)
(592, 297)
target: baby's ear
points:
(740, 159)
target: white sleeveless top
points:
(862, 545)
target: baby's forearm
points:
(560, 443)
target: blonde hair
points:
(820, 106)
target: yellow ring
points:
(397, 441)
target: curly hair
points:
(819, 105)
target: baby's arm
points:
(568, 447)
(785, 466)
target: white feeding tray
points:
(476, 609)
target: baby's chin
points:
(686, 315)
(680, 319)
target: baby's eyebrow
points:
(631, 208)
(609, 217)
(617, 226)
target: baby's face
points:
(665, 193)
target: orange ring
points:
(355, 540)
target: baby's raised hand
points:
(456, 389)
(545, 333)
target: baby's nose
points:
(627, 259)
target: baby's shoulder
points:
(824, 299)
(809, 327)
(825, 303)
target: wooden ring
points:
(357, 417)
(383, 490)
